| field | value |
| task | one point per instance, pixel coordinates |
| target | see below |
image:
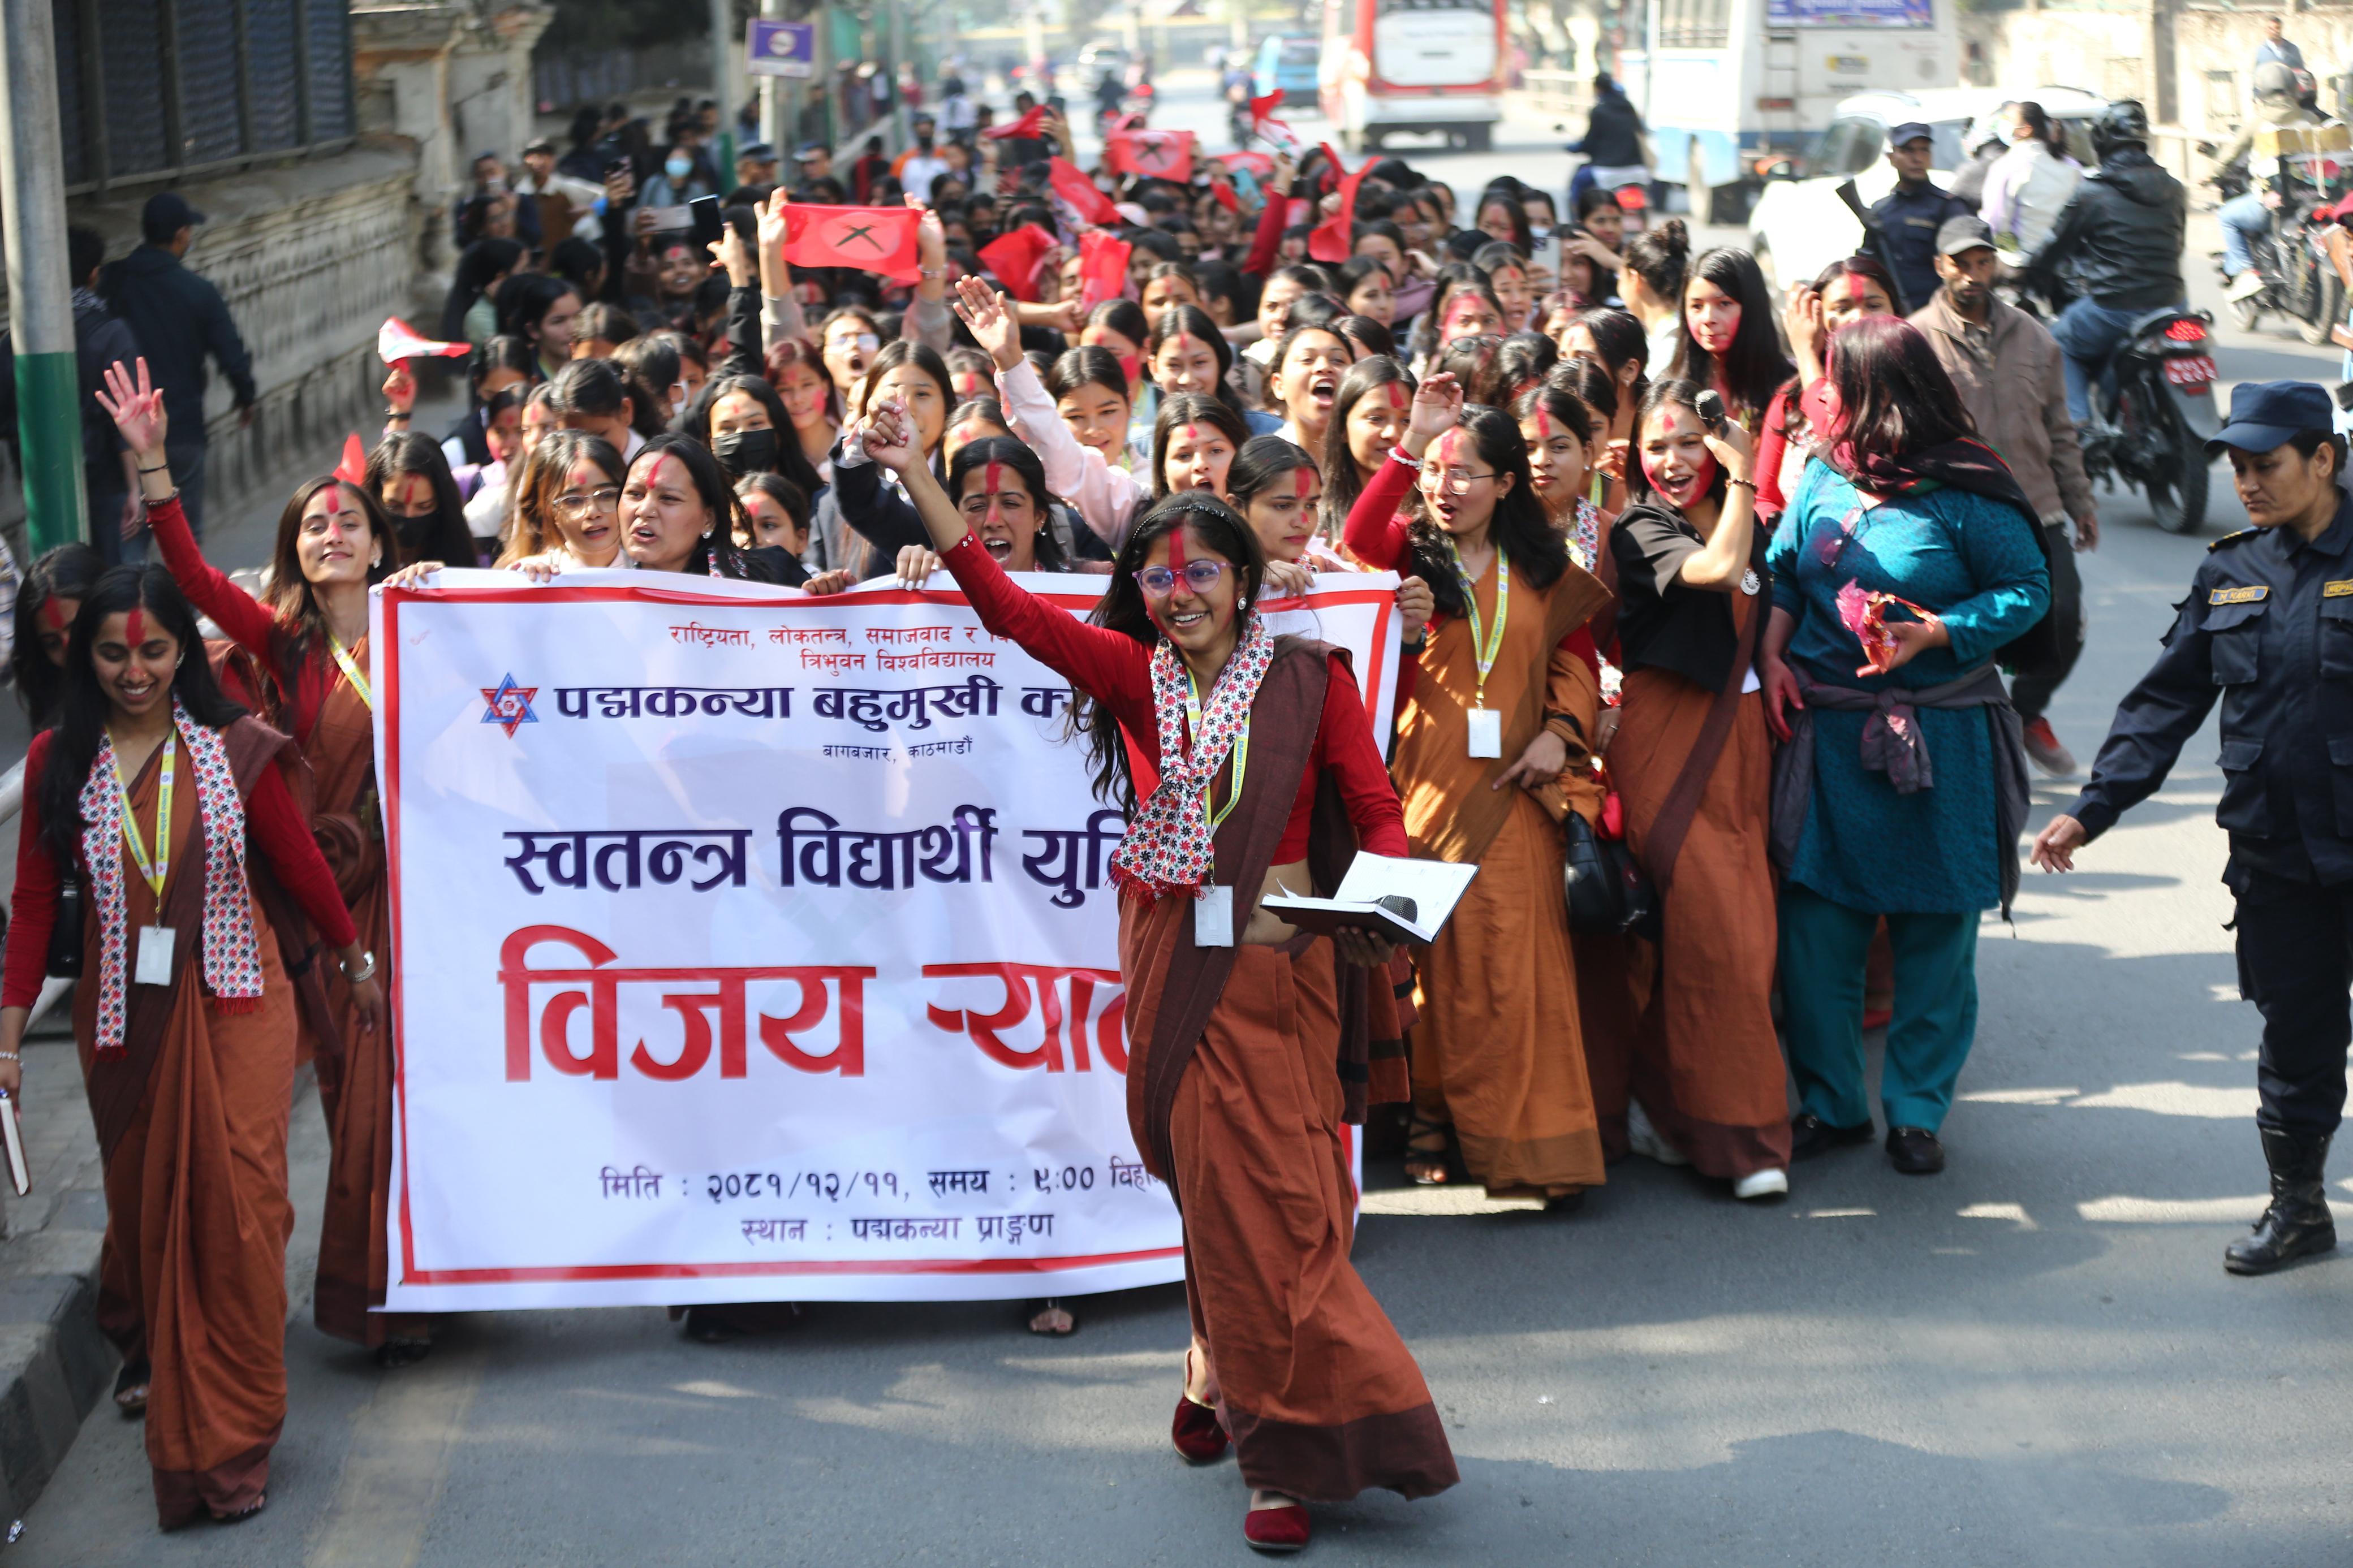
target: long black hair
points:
(1682, 394)
(1192, 321)
(715, 554)
(64, 572)
(82, 705)
(1018, 455)
(443, 536)
(790, 462)
(1342, 484)
(1191, 408)
(1522, 533)
(1754, 367)
(1122, 609)
(1263, 462)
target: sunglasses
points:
(1200, 576)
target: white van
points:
(1800, 226)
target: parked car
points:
(1800, 226)
(1101, 60)
(1288, 64)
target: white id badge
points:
(1213, 918)
(1486, 732)
(153, 964)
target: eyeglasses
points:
(1455, 480)
(576, 503)
(1200, 576)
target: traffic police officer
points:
(2268, 627)
(1909, 217)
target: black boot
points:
(2298, 1223)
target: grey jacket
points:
(2015, 388)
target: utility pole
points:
(899, 136)
(775, 110)
(40, 291)
(722, 88)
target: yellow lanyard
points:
(352, 672)
(1484, 648)
(156, 869)
(1241, 758)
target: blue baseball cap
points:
(2266, 414)
(1910, 131)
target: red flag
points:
(397, 341)
(1118, 122)
(1015, 258)
(1027, 127)
(1103, 266)
(881, 240)
(1263, 122)
(1260, 165)
(352, 469)
(1225, 196)
(1155, 155)
(1333, 239)
(1091, 205)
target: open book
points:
(12, 1136)
(1405, 900)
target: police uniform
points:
(1908, 220)
(2268, 630)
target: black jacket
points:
(2268, 630)
(1614, 134)
(2120, 237)
(178, 318)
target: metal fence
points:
(163, 89)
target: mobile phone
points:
(617, 166)
(1709, 409)
(708, 223)
(668, 220)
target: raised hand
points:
(889, 436)
(993, 325)
(1728, 443)
(137, 409)
(400, 389)
(1436, 406)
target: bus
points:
(1727, 85)
(1413, 66)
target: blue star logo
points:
(508, 704)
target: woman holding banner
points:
(185, 1020)
(311, 640)
(1486, 757)
(1257, 769)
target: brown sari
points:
(192, 1128)
(1244, 1063)
(1498, 1051)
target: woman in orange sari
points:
(180, 814)
(311, 640)
(1505, 697)
(1262, 772)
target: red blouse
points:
(250, 624)
(1116, 670)
(271, 821)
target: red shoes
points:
(1280, 1529)
(1196, 1430)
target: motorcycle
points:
(2153, 413)
(2291, 257)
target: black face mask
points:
(417, 534)
(742, 452)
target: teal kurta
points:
(1971, 561)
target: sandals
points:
(241, 1515)
(1424, 1153)
(130, 1388)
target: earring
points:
(706, 533)
(375, 561)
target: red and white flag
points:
(1154, 154)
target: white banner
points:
(754, 946)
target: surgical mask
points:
(678, 168)
(419, 533)
(1540, 232)
(742, 452)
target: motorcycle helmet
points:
(2274, 78)
(2124, 123)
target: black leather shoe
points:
(2297, 1224)
(1810, 1135)
(1914, 1151)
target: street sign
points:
(780, 48)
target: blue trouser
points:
(2243, 218)
(1823, 947)
(2088, 332)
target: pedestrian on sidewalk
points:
(2013, 380)
(2264, 630)
(180, 320)
(186, 1019)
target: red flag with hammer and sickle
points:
(1155, 154)
(1074, 187)
(881, 240)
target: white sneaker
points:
(1770, 1184)
(2246, 285)
(1642, 1138)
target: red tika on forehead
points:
(1304, 477)
(1544, 427)
(1399, 398)
(992, 479)
(1177, 550)
(52, 616)
(131, 627)
(1193, 433)
(1450, 445)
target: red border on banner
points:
(1383, 649)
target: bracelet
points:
(1749, 484)
(1397, 455)
(367, 972)
(10, 1057)
(930, 271)
(156, 470)
(395, 414)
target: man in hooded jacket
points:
(2120, 240)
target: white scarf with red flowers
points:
(232, 952)
(1169, 848)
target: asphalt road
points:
(2034, 1358)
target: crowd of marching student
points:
(1639, 542)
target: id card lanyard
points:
(352, 671)
(153, 963)
(1487, 724)
(1213, 912)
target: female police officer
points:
(2268, 626)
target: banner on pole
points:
(755, 946)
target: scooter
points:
(2153, 413)
(2291, 258)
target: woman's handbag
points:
(66, 935)
(1609, 893)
